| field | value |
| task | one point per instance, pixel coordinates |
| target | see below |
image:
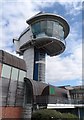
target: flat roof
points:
(12, 60)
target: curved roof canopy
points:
(39, 87)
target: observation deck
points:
(46, 32)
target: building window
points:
(64, 95)
(36, 28)
(22, 74)
(0, 69)
(48, 28)
(60, 28)
(6, 70)
(61, 34)
(43, 26)
(51, 90)
(14, 75)
(55, 29)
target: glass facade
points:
(22, 74)
(12, 85)
(6, 70)
(48, 28)
(12, 73)
(77, 93)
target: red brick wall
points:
(11, 112)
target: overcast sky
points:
(65, 69)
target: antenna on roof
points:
(39, 13)
(35, 15)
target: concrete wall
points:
(29, 59)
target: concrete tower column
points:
(29, 59)
(35, 64)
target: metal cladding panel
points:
(29, 60)
(12, 93)
(12, 60)
(15, 61)
(4, 86)
(20, 94)
(53, 91)
(41, 66)
(36, 85)
(60, 91)
(40, 88)
(25, 37)
(7, 58)
(42, 94)
(54, 48)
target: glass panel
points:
(56, 26)
(60, 27)
(55, 29)
(22, 74)
(36, 29)
(39, 27)
(33, 28)
(50, 24)
(52, 91)
(14, 75)
(6, 70)
(49, 28)
(43, 25)
(61, 33)
(43, 29)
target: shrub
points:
(69, 116)
(45, 114)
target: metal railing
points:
(57, 100)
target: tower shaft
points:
(45, 34)
(35, 61)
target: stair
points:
(27, 111)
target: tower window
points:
(14, 75)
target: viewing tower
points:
(45, 34)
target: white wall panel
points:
(29, 59)
(26, 37)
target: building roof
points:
(40, 88)
(12, 60)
